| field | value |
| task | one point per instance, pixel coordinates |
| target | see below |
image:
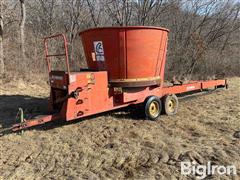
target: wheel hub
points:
(171, 105)
(154, 108)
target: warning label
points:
(98, 48)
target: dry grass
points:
(116, 146)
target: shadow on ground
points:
(33, 106)
(9, 105)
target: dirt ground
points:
(116, 145)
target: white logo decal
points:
(98, 48)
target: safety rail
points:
(47, 55)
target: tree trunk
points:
(22, 28)
(1, 39)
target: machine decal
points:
(57, 78)
(99, 52)
(190, 88)
(72, 78)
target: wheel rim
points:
(154, 109)
(171, 105)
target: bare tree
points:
(22, 27)
(200, 28)
(48, 9)
(74, 16)
(235, 25)
(149, 11)
(120, 12)
(1, 38)
(95, 10)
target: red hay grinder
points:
(125, 67)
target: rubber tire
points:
(147, 104)
(166, 109)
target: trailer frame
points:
(75, 95)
